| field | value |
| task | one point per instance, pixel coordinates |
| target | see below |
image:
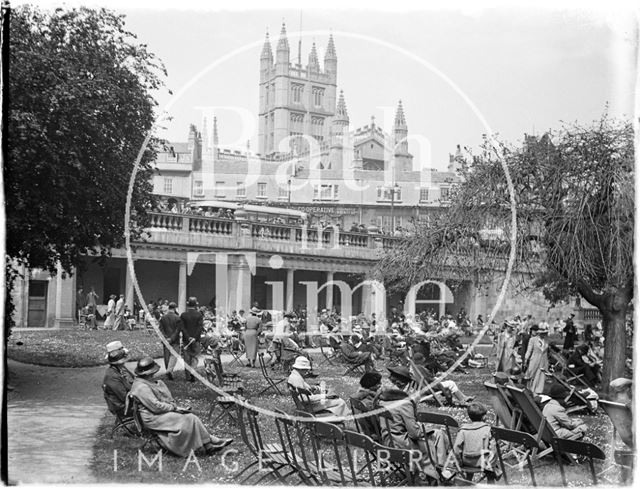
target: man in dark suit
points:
(170, 326)
(192, 327)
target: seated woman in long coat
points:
(320, 401)
(178, 430)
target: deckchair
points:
(581, 402)
(514, 437)
(544, 432)
(502, 407)
(422, 385)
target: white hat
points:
(302, 363)
(114, 345)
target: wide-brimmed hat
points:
(534, 327)
(302, 363)
(113, 348)
(543, 329)
(255, 310)
(401, 372)
(146, 366)
(117, 357)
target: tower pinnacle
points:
(400, 120)
(331, 50)
(341, 109)
(267, 53)
(314, 65)
(283, 42)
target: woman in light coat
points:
(506, 353)
(536, 360)
(251, 333)
(178, 430)
(110, 321)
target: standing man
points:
(119, 324)
(81, 302)
(92, 301)
(170, 326)
(192, 327)
(570, 333)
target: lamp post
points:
(289, 191)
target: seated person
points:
(370, 384)
(404, 431)
(584, 363)
(448, 388)
(117, 379)
(178, 430)
(353, 352)
(557, 415)
(321, 400)
(474, 445)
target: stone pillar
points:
(239, 284)
(290, 286)
(182, 287)
(329, 291)
(65, 300)
(366, 299)
(128, 286)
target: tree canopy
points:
(81, 104)
(574, 193)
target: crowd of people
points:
(411, 352)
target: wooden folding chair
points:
(385, 417)
(367, 424)
(289, 436)
(515, 438)
(395, 465)
(324, 350)
(149, 436)
(581, 448)
(445, 420)
(271, 382)
(335, 473)
(124, 422)
(367, 445)
(562, 364)
(302, 400)
(267, 456)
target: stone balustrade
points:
(217, 232)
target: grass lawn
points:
(77, 348)
(211, 469)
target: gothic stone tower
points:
(295, 100)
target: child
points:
(474, 445)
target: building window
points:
(297, 91)
(241, 190)
(262, 191)
(318, 96)
(219, 189)
(168, 186)
(444, 193)
(325, 192)
(384, 193)
(283, 193)
(198, 189)
(424, 195)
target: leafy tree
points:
(80, 108)
(574, 196)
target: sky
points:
(460, 72)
